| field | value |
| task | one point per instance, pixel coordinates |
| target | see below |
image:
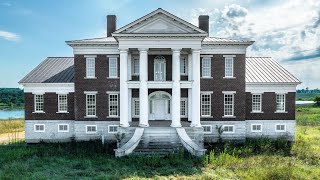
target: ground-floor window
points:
(39, 128)
(256, 127)
(136, 107)
(113, 105)
(90, 129)
(280, 128)
(228, 129)
(183, 107)
(228, 104)
(63, 127)
(206, 104)
(113, 128)
(207, 129)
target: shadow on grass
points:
(88, 159)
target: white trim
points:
(280, 124)
(85, 48)
(206, 92)
(229, 92)
(90, 56)
(228, 48)
(228, 132)
(256, 125)
(41, 88)
(112, 126)
(205, 132)
(113, 92)
(277, 88)
(63, 125)
(229, 56)
(206, 56)
(113, 56)
(44, 128)
(91, 132)
(90, 92)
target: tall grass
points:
(11, 125)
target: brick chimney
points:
(204, 23)
(111, 24)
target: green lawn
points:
(256, 159)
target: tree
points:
(317, 100)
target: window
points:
(206, 67)
(228, 104)
(63, 127)
(136, 107)
(113, 105)
(62, 103)
(38, 102)
(39, 128)
(113, 129)
(90, 67)
(113, 68)
(91, 105)
(280, 102)
(183, 66)
(207, 129)
(256, 128)
(206, 104)
(136, 66)
(228, 129)
(183, 108)
(228, 70)
(90, 129)
(256, 102)
(280, 128)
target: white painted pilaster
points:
(130, 105)
(143, 90)
(195, 88)
(176, 90)
(189, 90)
(124, 88)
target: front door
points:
(160, 106)
(159, 109)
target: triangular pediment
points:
(159, 22)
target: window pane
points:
(135, 66)
(256, 103)
(136, 107)
(62, 103)
(206, 67)
(183, 65)
(113, 105)
(280, 98)
(228, 67)
(183, 105)
(91, 104)
(206, 105)
(39, 103)
(228, 104)
(113, 68)
(90, 67)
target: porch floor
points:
(160, 123)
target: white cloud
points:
(9, 36)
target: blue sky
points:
(32, 30)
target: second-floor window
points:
(135, 67)
(228, 67)
(91, 105)
(206, 67)
(90, 67)
(62, 103)
(280, 99)
(184, 66)
(38, 103)
(113, 67)
(256, 102)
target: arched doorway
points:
(159, 68)
(160, 106)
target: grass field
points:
(256, 159)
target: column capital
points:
(176, 50)
(195, 50)
(143, 49)
(123, 50)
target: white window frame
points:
(260, 103)
(284, 103)
(224, 104)
(91, 132)
(281, 124)
(207, 132)
(90, 67)
(184, 65)
(228, 132)
(115, 60)
(210, 104)
(227, 68)
(252, 130)
(89, 93)
(185, 100)
(117, 104)
(134, 115)
(59, 103)
(135, 65)
(38, 103)
(35, 128)
(63, 125)
(112, 132)
(208, 67)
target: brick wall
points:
(269, 107)
(50, 107)
(217, 84)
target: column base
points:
(143, 125)
(195, 125)
(125, 125)
(175, 125)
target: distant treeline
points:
(11, 98)
(307, 91)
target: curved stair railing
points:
(131, 144)
(188, 144)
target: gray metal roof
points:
(267, 70)
(109, 40)
(52, 70)
(215, 40)
(61, 70)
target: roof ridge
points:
(60, 57)
(258, 57)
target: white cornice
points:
(271, 87)
(224, 49)
(59, 88)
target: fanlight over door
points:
(159, 68)
(160, 106)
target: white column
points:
(129, 66)
(124, 88)
(129, 90)
(195, 88)
(176, 90)
(143, 90)
(189, 90)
